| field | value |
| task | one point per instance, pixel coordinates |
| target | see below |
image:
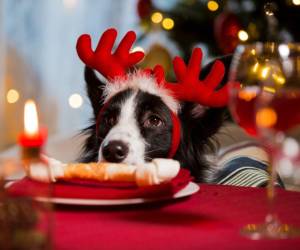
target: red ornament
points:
(144, 8)
(226, 28)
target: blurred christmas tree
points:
(219, 25)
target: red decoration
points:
(226, 28)
(189, 87)
(109, 65)
(175, 135)
(144, 8)
(36, 140)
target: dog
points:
(133, 122)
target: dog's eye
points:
(153, 121)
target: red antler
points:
(108, 64)
(189, 87)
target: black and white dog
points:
(136, 127)
(138, 117)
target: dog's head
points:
(133, 125)
(140, 116)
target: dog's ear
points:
(94, 88)
(203, 122)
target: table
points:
(210, 219)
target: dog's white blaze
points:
(127, 130)
(141, 81)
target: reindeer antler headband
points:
(189, 88)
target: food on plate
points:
(155, 172)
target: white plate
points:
(190, 189)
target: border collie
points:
(133, 122)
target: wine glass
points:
(267, 106)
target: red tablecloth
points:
(210, 219)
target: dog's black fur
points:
(197, 131)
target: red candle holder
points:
(32, 145)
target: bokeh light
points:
(212, 5)
(156, 17)
(266, 117)
(296, 2)
(168, 23)
(12, 96)
(75, 101)
(243, 35)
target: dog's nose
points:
(115, 151)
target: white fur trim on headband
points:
(144, 82)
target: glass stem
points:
(271, 219)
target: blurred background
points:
(38, 58)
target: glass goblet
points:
(267, 107)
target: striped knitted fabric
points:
(244, 166)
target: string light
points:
(243, 35)
(156, 17)
(12, 96)
(296, 2)
(212, 5)
(168, 23)
(75, 101)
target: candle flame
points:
(31, 124)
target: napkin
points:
(83, 189)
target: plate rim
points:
(190, 189)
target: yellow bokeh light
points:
(156, 17)
(279, 79)
(168, 23)
(255, 67)
(265, 72)
(12, 96)
(212, 5)
(253, 52)
(296, 2)
(75, 101)
(243, 35)
(269, 89)
(266, 117)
